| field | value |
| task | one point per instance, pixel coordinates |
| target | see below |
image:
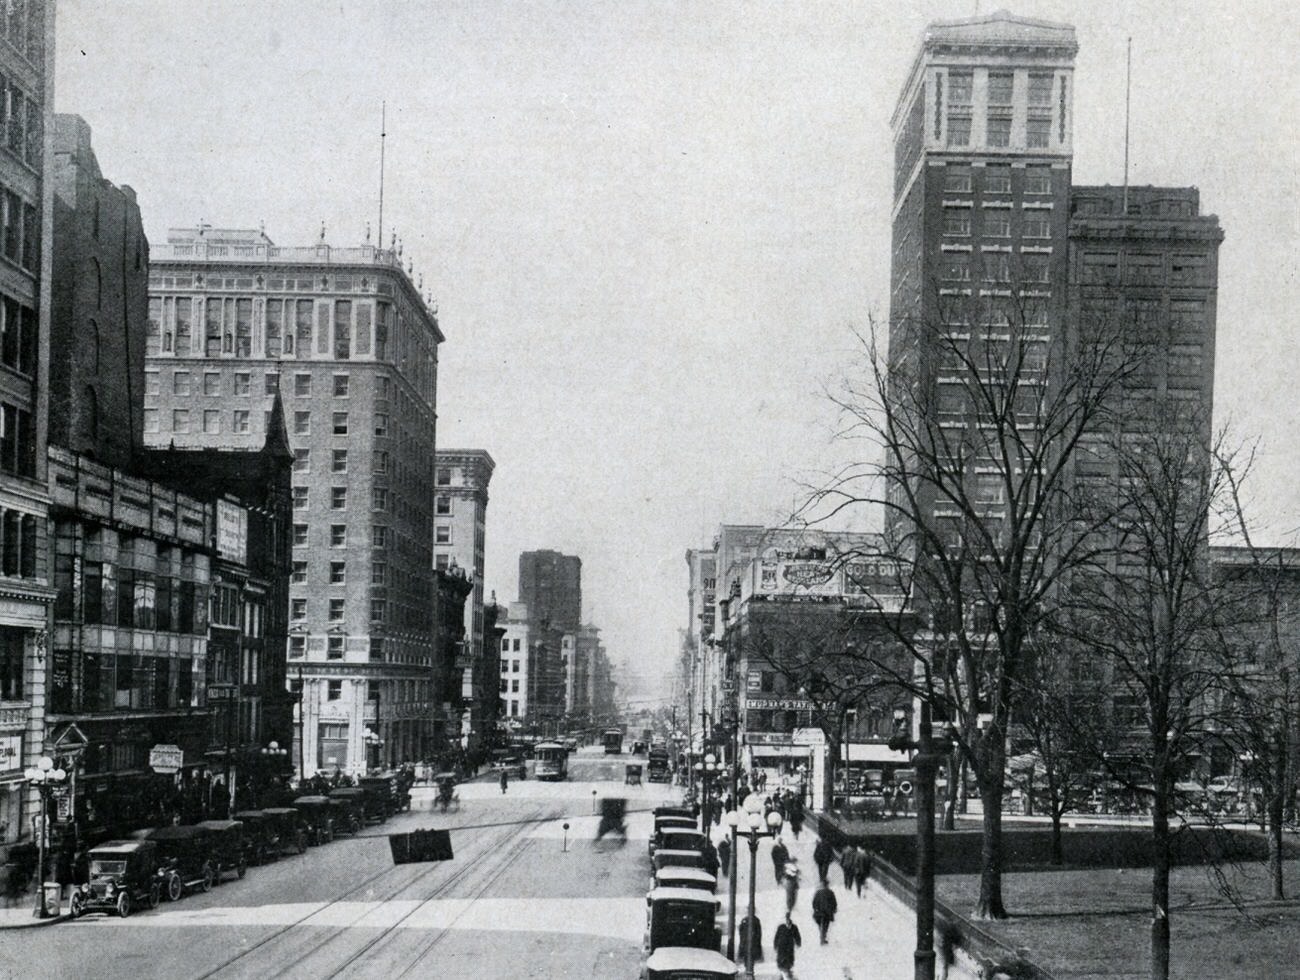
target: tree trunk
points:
(828, 776)
(1276, 812)
(1160, 880)
(961, 786)
(955, 765)
(990, 905)
(1058, 849)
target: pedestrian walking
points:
(751, 933)
(780, 855)
(795, 810)
(505, 779)
(709, 856)
(823, 855)
(848, 864)
(724, 855)
(861, 868)
(790, 884)
(786, 940)
(824, 906)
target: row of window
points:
(18, 336)
(996, 180)
(242, 383)
(339, 461)
(403, 691)
(509, 666)
(957, 224)
(92, 680)
(22, 27)
(22, 124)
(17, 441)
(111, 595)
(1104, 268)
(1001, 88)
(20, 228)
(996, 267)
(510, 687)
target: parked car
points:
(366, 805)
(685, 963)
(349, 814)
(290, 828)
(122, 874)
(681, 917)
(514, 765)
(263, 835)
(229, 846)
(318, 814)
(388, 788)
(186, 859)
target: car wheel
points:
(175, 887)
(77, 905)
(209, 877)
(124, 904)
(155, 895)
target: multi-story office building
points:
(344, 337)
(460, 538)
(516, 665)
(26, 213)
(550, 585)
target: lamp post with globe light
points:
(748, 820)
(706, 771)
(44, 776)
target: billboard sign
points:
(232, 532)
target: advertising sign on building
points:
(166, 758)
(232, 532)
(808, 736)
(775, 703)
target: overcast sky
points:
(650, 227)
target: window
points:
(211, 421)
(299, 572)
(300, 534)
(956, 268)
(342, 329)
(181, 383)
(241, 420)
(299, 498)
(302, 423)
(956, 224)
(1001, 87)
(275, 334)
(1036, 268)
(378, 573)
(243, 382)
(302, 460)
(338, 535)
(957, 182)
(340, 423)
(302, 385)
(340, 386)
(959, 130)
(999, 130)
(1101, 267)
(442, 534)
(997, 267)
(442, 562)
(383, 387)
(997, 180)
(997, 226)
(298, 608)
(960, 87)
(1038, 132)
(338, 573)
(381, 425)
(339, 461)
(1037, 226)
(442, 505)
(243, 328)
(515, 644)
(444, 477)
(378, 609)
(151, 423)
(336, 610)
(211, 383)
(1040, 89)
(338, 498)
(184, 319)
(334, 689)
(180, 420)
(1038, 181)
(298, 646)
(152, 385)
(379, 536)
(378, 499)
(381, 461)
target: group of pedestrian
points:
(855, 862)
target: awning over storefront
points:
(780, 751)
(874, 752)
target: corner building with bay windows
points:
(344, 337)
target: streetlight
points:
(373, 741)
(44, 777)
(926, 760)
(750, 823)
(706, 770)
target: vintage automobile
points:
(229, 846)
(675, 810)
(668, 823)
(185, 859)
(658, 766)
(318, 814)
(673, 857)
(263, 835)
(366, 804)
(388, 789)
(682, 917)
(681, 839)
(513, 764)
(122, 874)
(677, 876)
(290, 828)
(447, 795)
(685, 963)
(349, 814)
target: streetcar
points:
(552, 761)
(613, 741)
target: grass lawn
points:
(1095, 923)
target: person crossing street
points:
(824, 905)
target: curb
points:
(34, 923)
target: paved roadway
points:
(522, 898)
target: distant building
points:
(344, 336)
(454, 587)
(516, 667)
(461, 478)
(550, 585)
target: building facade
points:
(26, 207)
(459, 539)
(515, 654)
(344, 336)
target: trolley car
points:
(552, 761)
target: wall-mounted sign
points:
(166, 758)
(807, 573)
(809, 736)
(778, 704)
(232, 532)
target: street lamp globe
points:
(732, 818)
(774, 822)
(755, 822)
(752, 803)
(45, 763)
(710, 760)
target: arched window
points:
(92, 345)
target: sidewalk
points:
(870, 939)
(23, 918)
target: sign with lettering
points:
(778, 704)
(232, 531)
(166, 758)
(221, 692)
(809, 736)
(807, 573)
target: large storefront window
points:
(332, 751)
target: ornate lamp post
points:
(706, 771)
(44, 777)
(373, 741)
(749, 821)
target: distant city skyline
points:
(649, 229)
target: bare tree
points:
(971, 428)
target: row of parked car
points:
(168, 862)
(682, 938)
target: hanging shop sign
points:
(166, 759)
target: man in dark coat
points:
(724, 855)
(780, 855)
(785, 941)
(849, 864)
(824, 905)
(755, 940)
(861, 868)
(709, 855)
(823, 855)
